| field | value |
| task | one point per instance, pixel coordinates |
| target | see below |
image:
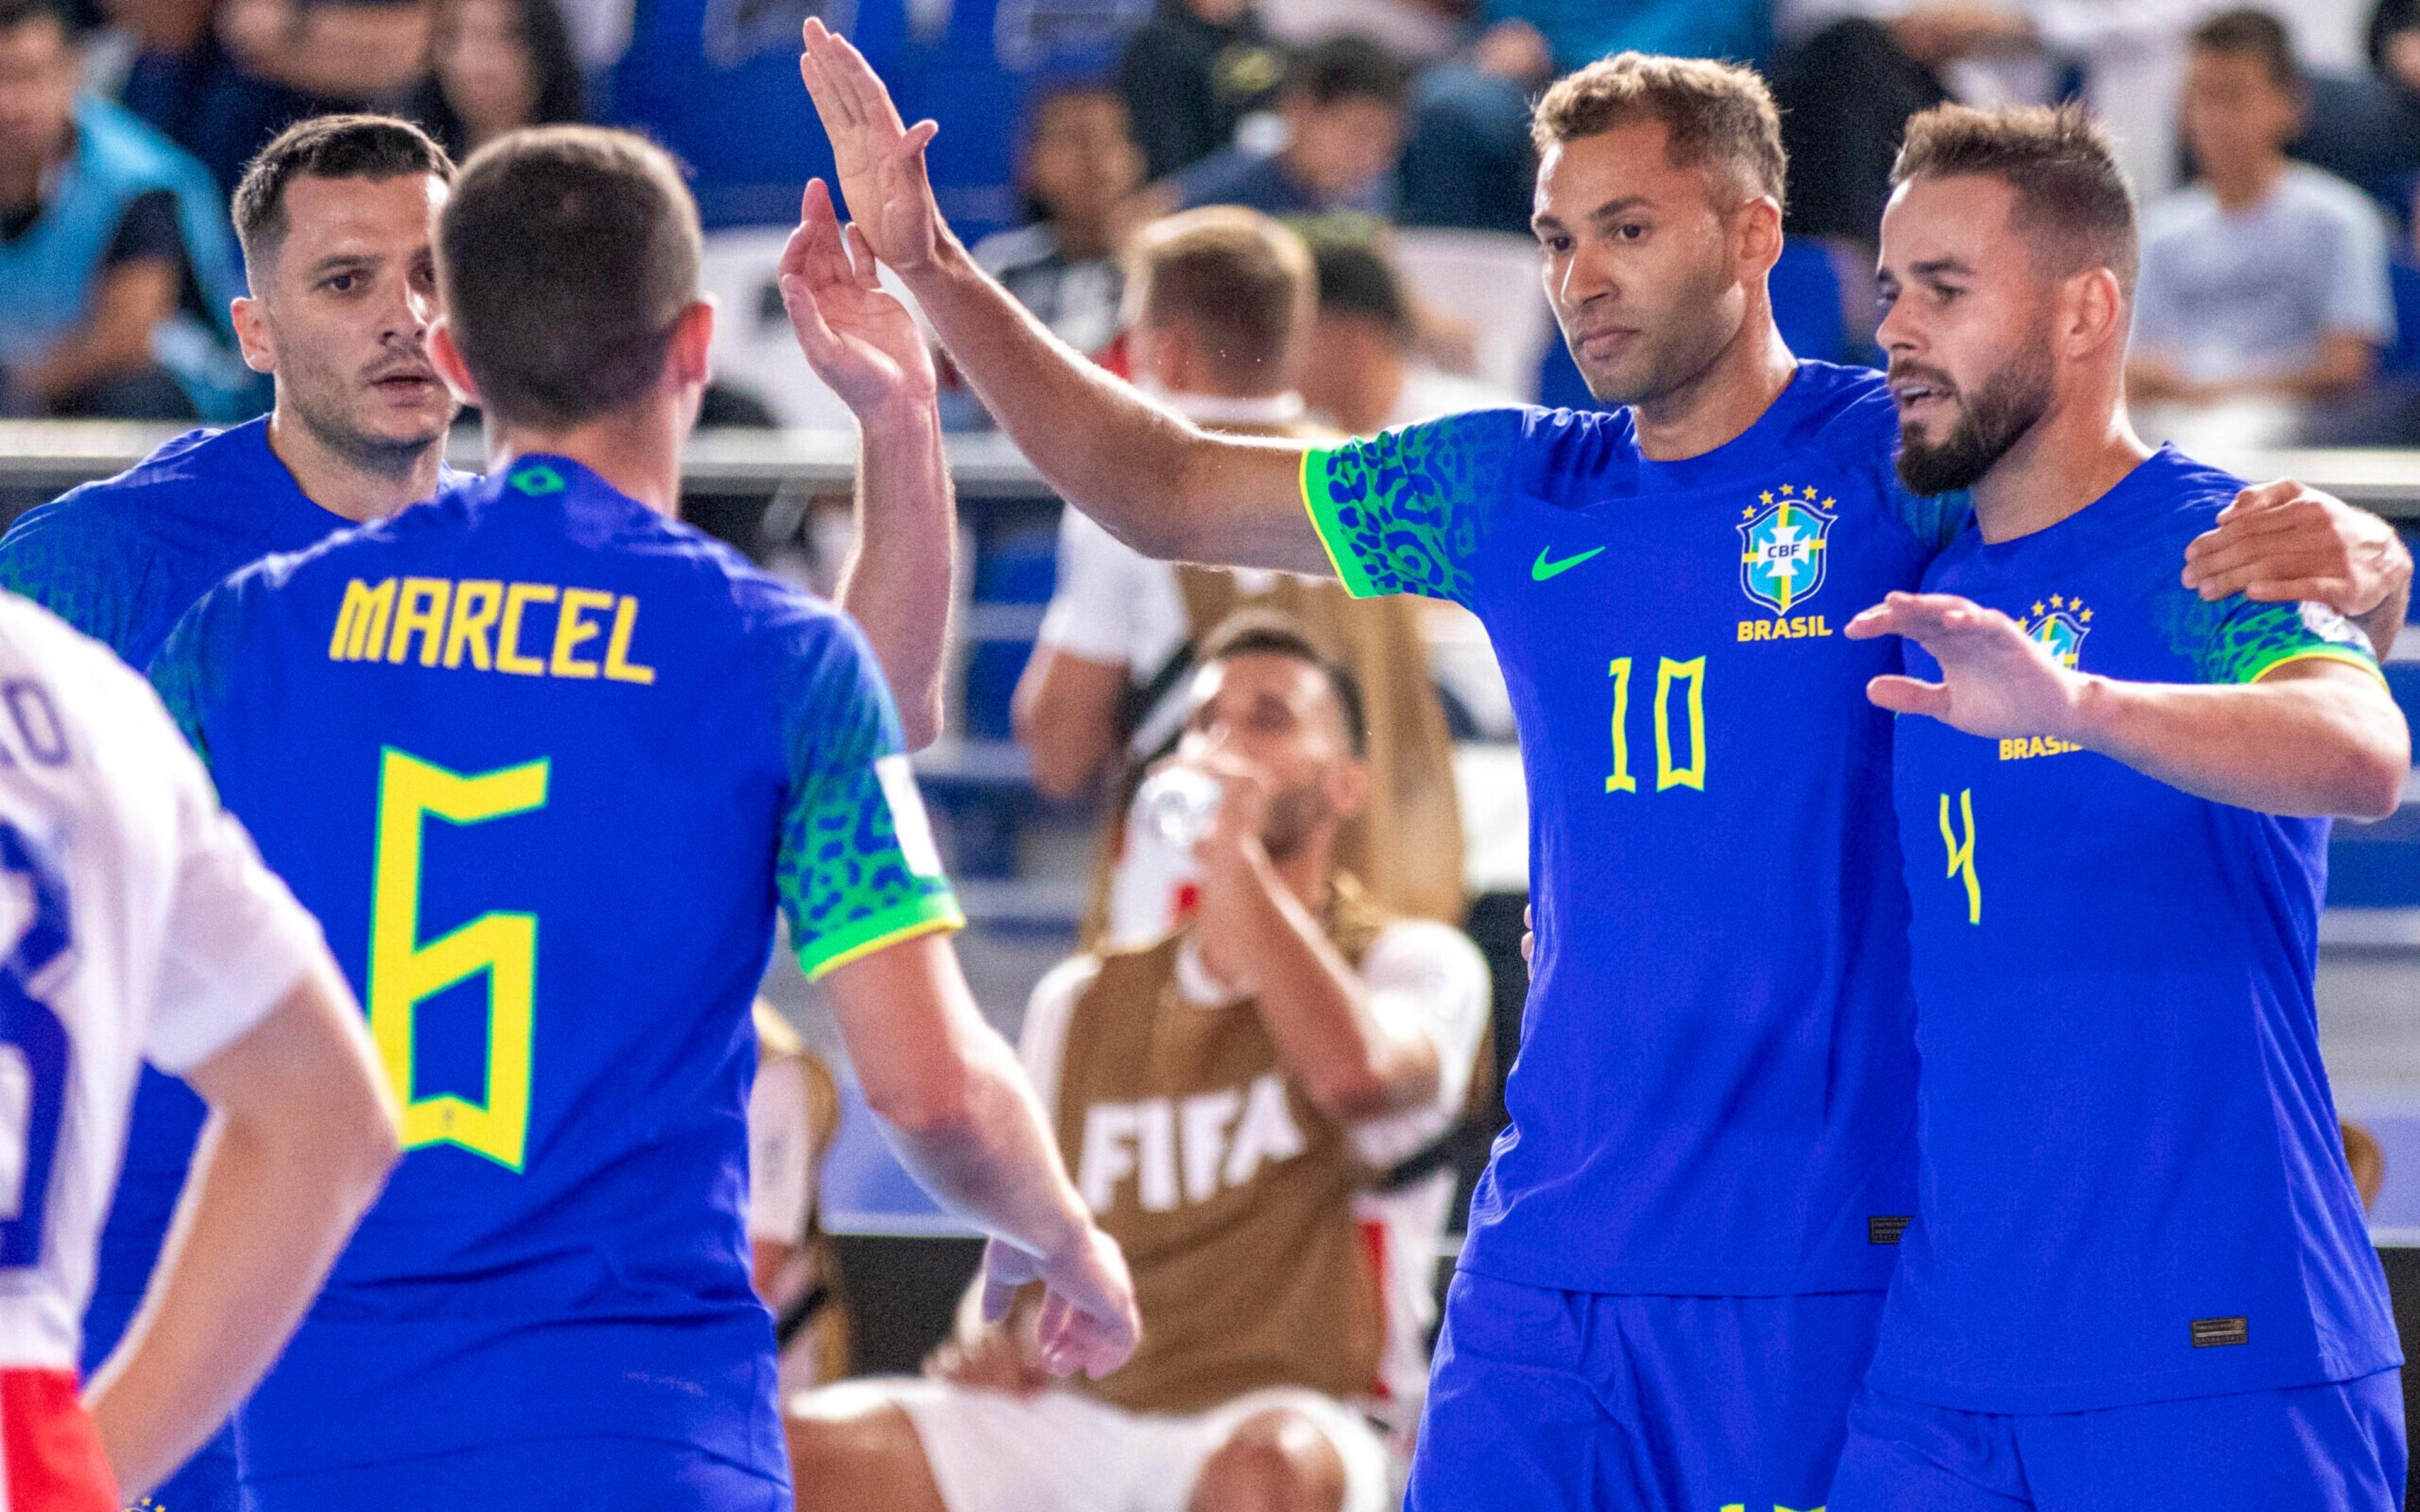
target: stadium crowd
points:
(1270, 217)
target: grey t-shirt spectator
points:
(2253, 293)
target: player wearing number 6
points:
(545, 763)
(1677, 1255)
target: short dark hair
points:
(1260, 633)
(2073, 199)
(2261, 34)
(16, 13)
(375, 147)
(1357, 279)
(564, 257)
(1239, 277)
(1714, 114)
(1347, 65)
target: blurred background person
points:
(1190, 75)
(114, 250)
(1221, 301)
(1364, 370)
(1293, 1040)
(495, 66)
(1078, 171)
(1341, 107)
(793, 1118)
(2267, 277)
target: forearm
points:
(899, 581)
(265, 1215)
(990, 1159)
(2382, 625)
(1149, 476)
(133, 298)
(1316, 1007)
(2306, 746)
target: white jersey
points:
(137, 923)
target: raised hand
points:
(1088, 1320)
(1996, 680)
(2280, 541)
(857, 337)
(880, 162)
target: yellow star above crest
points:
(1766, 496)
(2085, 616)
(2056, 602)
(2038, 608)
(1749, 513)
(1786, 491)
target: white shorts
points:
(1058, 1451)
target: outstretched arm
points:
(898, 581)
(1157, 481)
(2312, 736)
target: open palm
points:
(856, 335)
(1996, 680)
(879, 161)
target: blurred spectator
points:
(1077, 172)
(1364, 371)
(115, 249)
(793, 1116)
(1343, 106)
(494, 66)
(1223, 1095)
(221, 77)
(2266, 276)
(1190, 73)
(1425, 31)
(1469, 162)
(1579, 32)
(2366, 127)
(2367, 1161)
(1220, 303)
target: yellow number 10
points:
(404, 973)
(1667, 673)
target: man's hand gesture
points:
(1996, 680)
(859, 338)
(880, 162)
(1088, 1321)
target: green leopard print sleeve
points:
(1400, 513)
(857, 869)
(2239, 641)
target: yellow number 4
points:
(404, 973)
(1961, 851)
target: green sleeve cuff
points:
(930, 913)
(2317, 653)
(1334, 533)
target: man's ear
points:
(252, 336)
(1348, 788)
(2095, 312)
(1758, 226)
(447, 359)
(687, 365)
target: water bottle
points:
(1180, 804)
(1157, 880)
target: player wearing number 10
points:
(1677, 1255)
(545, 762)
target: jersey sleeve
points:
(857, 869)
(1404, 512)
(236, 939)
(2240, 641)
(64, 556)
(191, 667)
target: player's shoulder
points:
(2314, 193)
(110, 515)
(1838, 406)
(2186, 212)
(1477, 453)
(2178, 495)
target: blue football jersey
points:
(544, 764)
(1714, 1093)
(2132, 1184)
(120, 559)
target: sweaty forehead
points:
(323, 216)
(1969, 218)
(1633, 160)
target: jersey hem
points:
(2350, 657)
(2127, 1391)
(1348, 572)
(922, 916)
(1674, 1280)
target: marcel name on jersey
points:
(490, 625)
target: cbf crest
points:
(2059, 623)
(1783, 544)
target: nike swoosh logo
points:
(1542, 569)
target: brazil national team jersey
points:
(2131, 1186)
(120, 559)
(544, 764)
(1715, 1088)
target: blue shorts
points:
(2338, 1448)
(515, 1478)
(207, 1482)
(1559, 1399)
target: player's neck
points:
(2072, 456)
(1718, 406)
(2241, 186)
(636, 450)
(360, 487)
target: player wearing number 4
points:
(545, 763)
(2138, 1274)
(1677, 1255)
